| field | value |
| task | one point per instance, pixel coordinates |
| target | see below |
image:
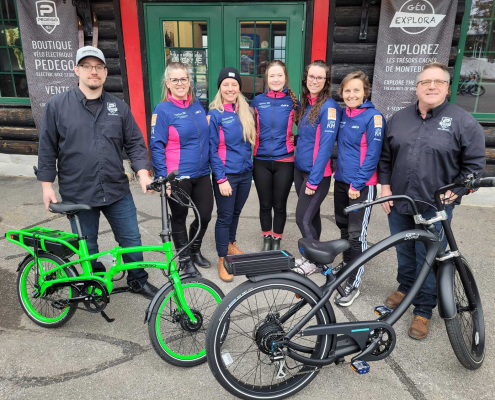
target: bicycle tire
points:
(477, 90)
(466, 331)
(40, 310)
(196, 291)
(237, 310)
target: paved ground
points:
(89, 358)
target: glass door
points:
(189, 34)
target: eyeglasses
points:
(318, 79)
(175, 81)
(89, 68)
(437, 82)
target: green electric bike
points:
(51, 286)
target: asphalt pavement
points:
(90, 358)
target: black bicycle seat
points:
(68, 207)
(322, 252)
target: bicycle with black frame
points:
(283, 328)
(50, 288)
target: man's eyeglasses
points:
(175, 81)
(318, 79)
(89, 68)
(437, 82)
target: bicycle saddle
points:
(322, 252)
(67, 207)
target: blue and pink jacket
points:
(274, 115)
(315, 142)
(180, 138)
(229, 153)
(359, 141)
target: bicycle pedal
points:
(382, 310)
(361, 367)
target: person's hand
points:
(144, 180)
(48, 194)
(168, 189)
(225, 189)
(309, 192)
(353, 194)
(387, 192)
(291, 137)
(448, 197)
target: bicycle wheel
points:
(174, 337)
(41, 310)
(477, 90)
(258, 315)
(467, 330)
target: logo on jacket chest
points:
(112, 108)
(445, 124)
(181, 115)
(264, 104)
(227, 120)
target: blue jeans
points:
(411, 256)
(122, 218)
(229, 209)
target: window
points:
(474, 78)
(187, 42)
(260, 43)
(13, 82)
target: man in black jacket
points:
(82, 137)
(427, 145)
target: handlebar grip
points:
(354, 208)
(483, 182)
(148, 187)
(174, 174)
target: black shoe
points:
(191, 269)
(267, 243)
(276, 243)
(147, 290)
(200, 261)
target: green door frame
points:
(459, 59)
(222, 49)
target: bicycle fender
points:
(293, 276)
(22, 262)
(147, 315)
(445, 290)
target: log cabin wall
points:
(18, 134)
(346, 53)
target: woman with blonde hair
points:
(232, 132)
(275, 114)
(180, 141)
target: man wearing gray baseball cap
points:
(82, 137)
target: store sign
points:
(49, 44)
(412, 33)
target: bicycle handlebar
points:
(469, 183)
(156, 185)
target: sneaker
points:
(305, 267)
(351, 293)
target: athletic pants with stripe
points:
(353, 227)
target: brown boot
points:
(233, 249)
(419, 327)
(394, 300)
(222, 272)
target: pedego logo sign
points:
(47, 15)
(416, 16)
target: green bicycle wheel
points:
(174, 337)
(41, 310)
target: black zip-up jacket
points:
(87, 149)
(419, 156)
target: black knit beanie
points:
(229, 72)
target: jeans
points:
(122, 218)
(411, 256)
(229, 209)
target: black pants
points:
(353, 227)
(308, 207)
(201, 193)
(273, 180)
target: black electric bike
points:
(283, 330)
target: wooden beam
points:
(110, 48)
(18, 147)
(16, 116)
(351, 16)
(104, 11)
(113, 84)
(16, 133)
(320, 30)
